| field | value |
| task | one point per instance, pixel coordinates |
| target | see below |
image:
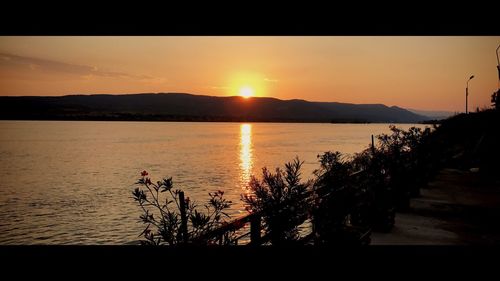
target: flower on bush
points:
(162, 214)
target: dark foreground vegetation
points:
(348, 198)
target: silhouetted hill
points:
(438, 115)
(187, 107)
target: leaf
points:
(144, 231)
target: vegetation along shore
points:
(406, 177)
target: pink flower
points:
(144, 173)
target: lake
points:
(67, 182)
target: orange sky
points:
(428, 73)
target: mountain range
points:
(189, 107)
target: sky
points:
(425, 73)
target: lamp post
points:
(467, 93)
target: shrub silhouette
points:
(404, 158)
(161, 209)
(338, 198)
(282, 200)
(394, 171)
(347, 198)
(378, 210)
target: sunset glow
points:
(427, 73)
(187, 142)
(246, 159)
(246, 92)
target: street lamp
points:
(467, 93)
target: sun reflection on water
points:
(246, 160)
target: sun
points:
(246, 84)
(246, 92)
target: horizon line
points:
(233, 96)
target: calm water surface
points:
(65, 182)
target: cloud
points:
(218, 87)
(271, 80)
(10, 60)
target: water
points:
(65, 182)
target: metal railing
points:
(220, 234)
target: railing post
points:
(255, 229)
(184, 229)
(373, 146)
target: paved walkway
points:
(457, 208)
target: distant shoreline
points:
(194, 120)
(196, 108)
